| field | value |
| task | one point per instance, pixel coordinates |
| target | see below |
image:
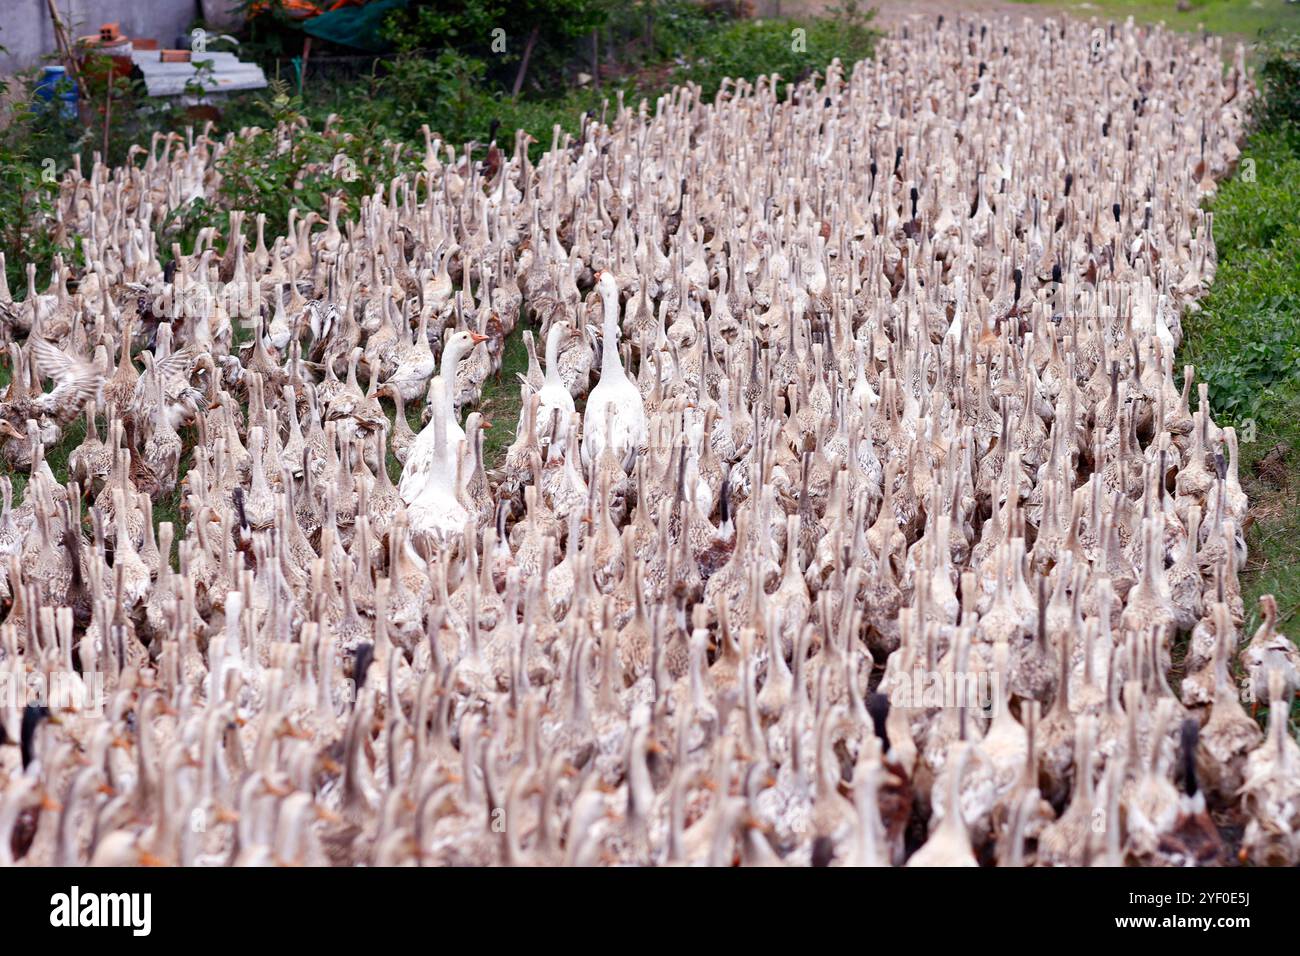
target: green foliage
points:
(268, 173)
(31, 161)
(1279, 83)
(698, 43)
(400, 96)
(1246, 343)
(668, 29)
(751, 47)
(467, 28)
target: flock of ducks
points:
(853, 395)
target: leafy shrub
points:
(753, 47)
(467, 28)
(1278, 107)
(33, 154)
(265, 172)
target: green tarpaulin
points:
(355, 26)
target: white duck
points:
(554, 395)
(614, 407)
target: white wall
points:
(27, 32)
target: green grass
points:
(413, 411)
(1246, 344)
(502, 404)
(1246, 340)
(1244, 18)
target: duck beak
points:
(478, 338)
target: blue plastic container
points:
(47, 88)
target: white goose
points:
(615, 401)
(422, 452)
(454, 352)
(428, 482)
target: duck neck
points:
(611, 364)
(553, 355)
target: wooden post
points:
(523, 63)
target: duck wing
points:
(75, 382)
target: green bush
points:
(344, 158)
(33, 155)
(467, 27)
(1278, 107)
(751, 48)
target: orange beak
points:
(478, 338)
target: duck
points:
(1270, 789)
(863, 417)
(615, 411)
(429, 481)
(1192, 839)
(554, 401)
(1269, 652)
(414, 363)
(76, 382)
(420, 452)
(949, 844)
